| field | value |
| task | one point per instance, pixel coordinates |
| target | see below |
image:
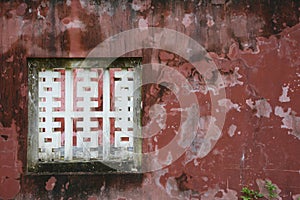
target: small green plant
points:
(271, 189)
(249, 194)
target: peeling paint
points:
(296, 197)
(263, 190)
(73, 24)
(225, 195)
(210, 21)
(228, 105)
(232, 130)
(204, 140)
(171, 187)
(187, 20)
(139, 5)
(158, 116)
(232, 80)
(187, 126)
(284, 97)
(261, 107)
(143, 24)
(290, 120)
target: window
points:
(83, 114)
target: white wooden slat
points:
(123, 100)
(50, 124)
(87, 89)
(106, 110)
(68, 115)
(48, 90)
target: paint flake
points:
(232, 130)
(284, 97)
(228, 105)
(262, 107)
(187, 21)
(289, 120)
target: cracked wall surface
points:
(255, 47)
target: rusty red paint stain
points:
(10, 167)
(50, 184)
(9, 188)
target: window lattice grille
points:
(85, 114)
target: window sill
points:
(82, 167)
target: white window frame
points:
(36, 66)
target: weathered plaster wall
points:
(255, 45)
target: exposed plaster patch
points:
(187, 21)
(296, 197)
(206, 137)
(284, 97)
(68, 2)
(143, 24)
(232, 130)
(212, 80)
(227, 195)
(73, 24)
(39, 16)
(158, 115)
(205, 178)
(231, 80)
(83, 3)
(263, 190)
(135, 7)
(105, 8)
(50, 184)
(188, 126)
(210, 20)
(261, 106)
(228, 105)
(167, 186)
(169, 158)
(290, 121)
(158, 161)
(141, 6)
(157, 175)
(211, 193)
(171, 187)
(94, 7)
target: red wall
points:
(255, 46)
